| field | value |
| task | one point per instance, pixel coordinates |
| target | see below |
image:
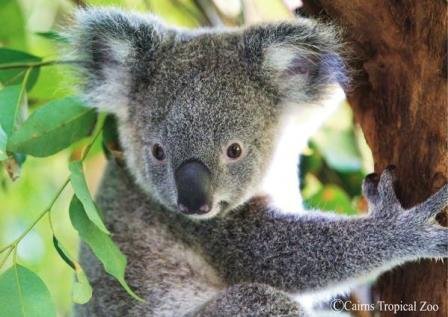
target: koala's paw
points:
(380, 194)
(417, 225)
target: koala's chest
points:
(167, 270)
(163, 255)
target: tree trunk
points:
(399, 97)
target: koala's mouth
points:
(218, 209)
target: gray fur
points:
(194, 92)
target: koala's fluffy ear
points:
(302, 58)
(108, 43)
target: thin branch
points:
(42, 214)
(6, 256)
(89, 146)
(13, 245)
(37, 64)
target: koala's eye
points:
(158, 152)
(234, 151)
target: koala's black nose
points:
(193, 187)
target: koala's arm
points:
(250, 299)
(316, 251)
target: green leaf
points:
(82, 192)
(19, 158)
(54, 82)
(24, 294)
(103, 247)
(12, 32)
(331, 198)
(10, 100)
(13, 76)
(82, 291)
(53, 35)
(3, 141)
(62, 253)
(53, 127)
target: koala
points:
(206, 205)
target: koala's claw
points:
(433, 205)
(370, 187)
(380, 189)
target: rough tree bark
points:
(400, 100)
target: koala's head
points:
(199, 112)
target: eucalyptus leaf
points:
(82, 291)
(101, 244)
(13, 66)
(10, 98)
(53, 127)
(82, 192)
(24, 294)
(12, 32)
(3, 141)
(53, 35)
(62, 253)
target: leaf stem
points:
(89, 146)
(14, 255)
(37, 64)
(6, 256)
(13, 245)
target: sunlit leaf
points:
(24, 294)
(103, 247)
(13, 66)
(12, 30)
(54, 82)
(311, 185)
(82, 291)
(53, 127)
(82, 192)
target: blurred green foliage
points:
(332, 167)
